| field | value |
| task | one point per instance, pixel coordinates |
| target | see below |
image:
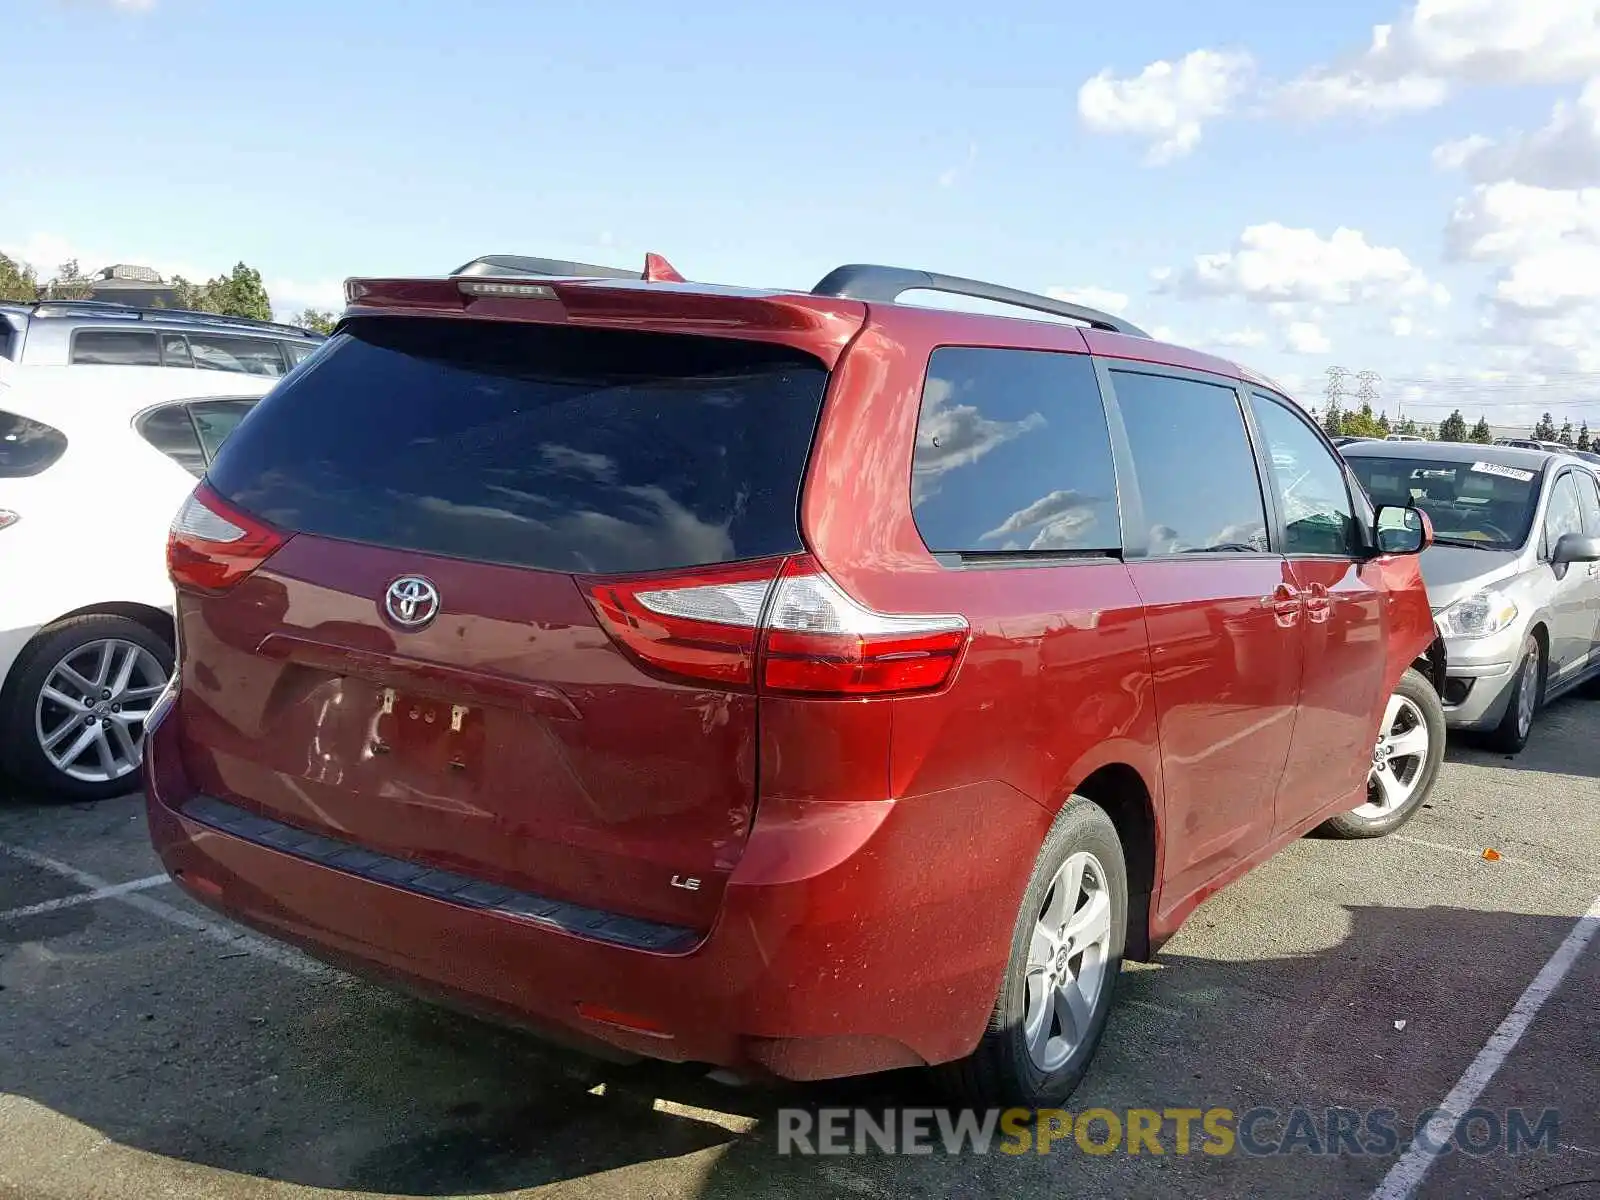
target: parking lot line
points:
(105, 893)
(1407, 1174)
(230, 936)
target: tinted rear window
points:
(559, 448)
(27, 447)
(115, 347)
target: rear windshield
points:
(565, 449)
(27, 447)
(1470, 503)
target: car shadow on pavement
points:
(339, 1085)
(1561, 743)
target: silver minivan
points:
(1513, 574)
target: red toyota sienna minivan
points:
(807, 684)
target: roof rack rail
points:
(885, 285)
(656, 268)
(181, 316)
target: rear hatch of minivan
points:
(445, 593)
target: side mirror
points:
(1400, 529)
(1575, 548)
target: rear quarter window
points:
(565, 449)
(28, 447)
(1013, 455)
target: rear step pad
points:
(593, 923)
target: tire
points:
(1003, 1070)
(1398, 787)
(78, 643)
(1511, 735)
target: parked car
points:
(1514, 572)
(95, 333)
(92, 467)
(543, 645)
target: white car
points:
(94, 462)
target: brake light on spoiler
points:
(778, 626)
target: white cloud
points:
(950, 176)
(1565, 153)
(1324, 93)
(1543, 304)
(1167, 103)
(1438, 45)
(1248, 338)
(1304, 337)
(1402, 326)
(290, 297)
(1095, 297)
(1274, 264)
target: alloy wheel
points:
(1067, 962)
(90, 714)
(1398, 758)
(1528, 689)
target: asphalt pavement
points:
(148, 1048)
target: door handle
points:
(1318, 602)
(1285, 600)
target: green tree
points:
(1383, 423)
(70, 283)
(1453, 428)
(1481, 431)
(1333, 419)
(17, 281)
(1362, 423)
(239, 293)
(1583, 438)
(1566, 437)
(1410, 427)
(315, 319)
(1545, 430)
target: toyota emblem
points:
(411, 601)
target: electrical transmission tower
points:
(1335, 389)
(1367, 388)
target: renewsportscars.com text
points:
(1255, 1132)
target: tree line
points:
(1362, 422)
(238, 293)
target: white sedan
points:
(94, 462)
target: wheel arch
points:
(157, 621)
(1121, 792)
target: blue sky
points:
(1189, 164)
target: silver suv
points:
(1513, 574)
(95, 333)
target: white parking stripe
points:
(229, 935)
(105, 893)
(1408, 1172)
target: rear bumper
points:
(850, 939)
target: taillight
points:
(784, 626)
(213, 545)
(8, 518)
(820, 641)
(700, 625)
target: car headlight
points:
(1482, 614)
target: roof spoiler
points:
(656, 269)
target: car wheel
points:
(73, 710)
(1066, 953)
(1405, 762)
(1511, 735)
